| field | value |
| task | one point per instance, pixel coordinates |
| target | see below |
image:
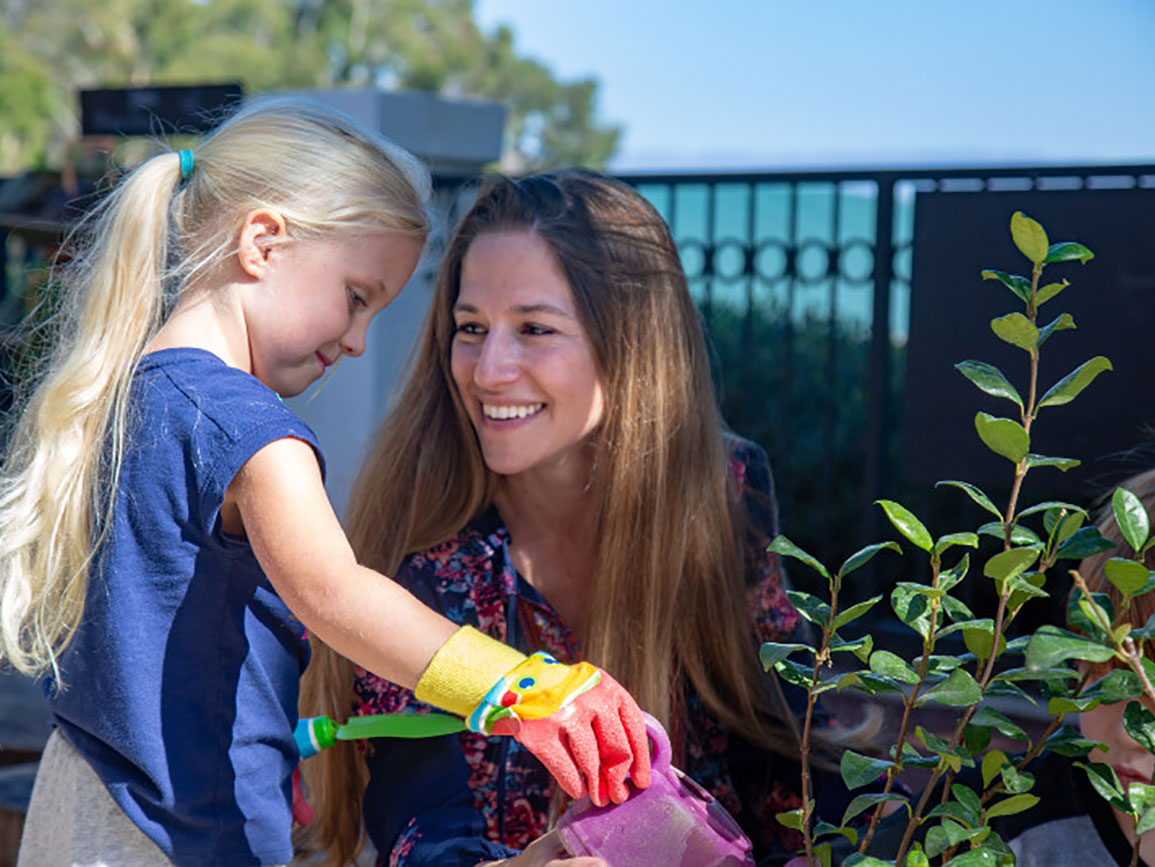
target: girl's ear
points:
(260, 232)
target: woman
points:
(561, 479)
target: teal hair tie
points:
(187, 163)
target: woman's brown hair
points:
(669, 595)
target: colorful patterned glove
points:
(583, 726)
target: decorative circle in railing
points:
(768, 253)
(730, 259)
(812, 261)
(901, 261)
(856, 261)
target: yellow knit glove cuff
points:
(464, 670)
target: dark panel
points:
(1112, 299)
(155, 110)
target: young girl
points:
(557, 461)
(165, 539)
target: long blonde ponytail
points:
(57, 473)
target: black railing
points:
(820, 262)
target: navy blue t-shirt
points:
(181, 684)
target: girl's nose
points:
(353, 341)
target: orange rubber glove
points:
(583, 726)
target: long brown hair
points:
(669, 593)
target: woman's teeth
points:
(503, 412)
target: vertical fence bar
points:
(878, 398)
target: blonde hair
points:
(669, 594)
(154, 237)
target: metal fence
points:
(819, 262)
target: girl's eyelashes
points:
(356, 299)
(535, 330)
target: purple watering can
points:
(674, 823)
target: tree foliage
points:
(51, 48)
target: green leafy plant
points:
(1031, 541)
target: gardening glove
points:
(583, 726)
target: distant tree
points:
(59, 46)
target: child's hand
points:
(583, 726)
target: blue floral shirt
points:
(466, 798)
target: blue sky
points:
(762, 84)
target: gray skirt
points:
(72, 820)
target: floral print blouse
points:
(467, 798)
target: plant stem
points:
(908, 706)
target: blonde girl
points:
(555, 471)
(165, 539)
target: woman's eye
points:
(356, 298)
(537, 330)
(468, 328)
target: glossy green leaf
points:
(979, 640)
(975, 858)
(1017, 782)
(975, 494)
(916, 857)
(1059, 705)
(992, 764)
(1003, 436)
(1024, 586)
(1021, 286)
(990, 379)
(1120, 684)
(1070, 526)
(966, 796)
(810, 607)
(1050, 646)
(1061, 464)
(1069, 741)
(1062, 322)
(912, 608)
(1146, 820)
(857, 860)
(890, 665)
(1017, 330)
(1127, 575)
(944, 543)
(976, 738)
(865, 802)
(792, 672)
(1030, 237)
(1045, 293)
(785, 548)
(1080, 617)
(1085, 543)
(1010, 806)
(955, 574)
(1140, 725)
(1131, 518)
(958, 690)
(772, 652)
(1006, 564)
(956, 609)
(1020, 535)
(907, 524)
(988, 716)
(858, 770)
(855, 611)
(1066, 251)
(1052, 504)
(792, 819)
(1068, 388)
(862, 557)
(1105, 782)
